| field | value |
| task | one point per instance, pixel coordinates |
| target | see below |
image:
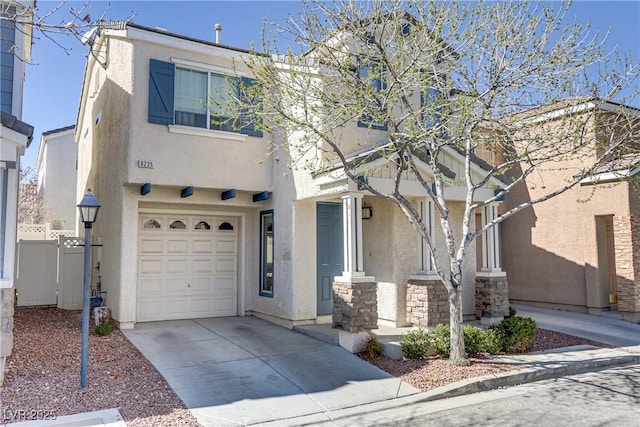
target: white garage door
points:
(187, 267)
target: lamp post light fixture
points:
(88, 208)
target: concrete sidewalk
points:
(602, 329)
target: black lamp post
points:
(88, 208)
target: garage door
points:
(187, 267)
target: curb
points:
(527, 375)
(532, 371)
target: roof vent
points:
(218, 29)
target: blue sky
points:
(54, 79)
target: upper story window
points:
(373, 73)
(430, 100)
(429, 107)
(202, 99)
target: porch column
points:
(492, 288)
(491, 240)
(427, 298)
(426, 264)
(352, 232)
(355, 300)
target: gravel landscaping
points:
(43, 372)
(435, 371)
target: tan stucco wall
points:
(550, 250)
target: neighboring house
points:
(198, 219)
(580, 250)
(15, 136)
(56, 167)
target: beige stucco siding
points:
(554, 252)
(190, 159)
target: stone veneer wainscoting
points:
(355, 306)
(627, 254)
(492, 298)
(427, 302)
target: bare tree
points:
(30, 203)
(515, 83)
(79, 21)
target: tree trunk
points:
(458, 356)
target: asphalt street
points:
(605, 398)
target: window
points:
(202, 225)
(372, 73)
(225, 226)
(152, 224)
(430, 100)
(191, 98)
(201, 99)
(223, 90)
(266, 253)
(178, 225)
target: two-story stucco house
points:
(15, 137)
(200, 219)
(56, 167)
(590, 253)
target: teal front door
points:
(329, 252)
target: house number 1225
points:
(145, 164)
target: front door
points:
(329, 252)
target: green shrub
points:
(416, 343)
(104, 328)
(476, 340)
(473, 340)
(442, 340)
(515, 334)
(490, 342)
(372, 347)
(512, 312)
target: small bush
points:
(473, 340)
(512, 312)
(104, 328)
(416, 343)
(372, 347)
(442, 340)
(515, 334)
(476, 340)
(490, 342)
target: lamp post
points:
(88, 208)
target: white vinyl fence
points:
(50, 272)
(41, 232)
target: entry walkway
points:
(243, 370)
(606, 330)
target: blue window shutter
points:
(161, 89)
(247, 126)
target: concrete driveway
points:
(243, 370)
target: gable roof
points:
(62, 129)
(13, 123)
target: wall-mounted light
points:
(367, 212)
